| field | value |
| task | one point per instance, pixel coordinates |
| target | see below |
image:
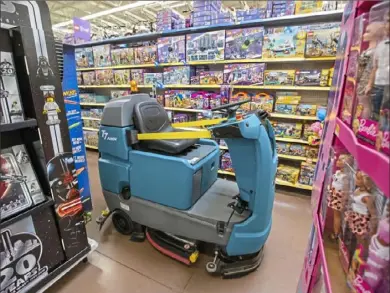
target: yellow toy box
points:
(287, 173)
(279, 77)
(303, 7)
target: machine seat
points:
(151, 117)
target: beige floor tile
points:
(279, 272)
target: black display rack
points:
(46, 231)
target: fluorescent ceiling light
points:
(106, 12)
(135, 16)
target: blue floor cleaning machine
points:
(160, 182)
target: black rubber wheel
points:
(122, 222)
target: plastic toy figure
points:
(44, 69)
(51, 109)
(338, 192)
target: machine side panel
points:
(254, 159)
(171, 179)
(114, 174)
(112, 141)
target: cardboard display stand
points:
(49, 236)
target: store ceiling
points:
(63, 11)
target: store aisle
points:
(122, 266)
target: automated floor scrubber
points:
(160, 182)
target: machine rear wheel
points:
(122, 222)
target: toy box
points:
(211, 77)
(226, 162)
(104, 77)
(244, 74)
(286, 109)
(87, 98)
(287, 44)
(306, 175)
(91, 138)
(88, 77)
(20, 189)
(91, 123)
(287, 130)
(122, 54)
(311, 152)
(297, 150)
(262, 101)
(311, 77)
(178, 118)
(122, 76)
(215, 100)
(244, 43)
(307, 132)
(118, 94)
(287, 173)
(200, 100)
(205, 46)
(279, 77)
(145, 55)
(195, 79)
(282, 148)
(178, 98)
(171, 49)
(150, 78)
(303, 7)
(79, 78)
(101, 98)
(96, 113)
(84, 57)
(322, 42)
(282, 9)
(101, 55)
(178, 74)
(138, 75)
(290, 98)
(242, 96)
(306, 110)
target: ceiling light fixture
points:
(106, 12)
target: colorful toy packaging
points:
(147, 54)
(244, 74)
(262, 101)
(280, 8)
(178, 99)
(178, 118)
(118, 94)
(312, 152)
(242, 96)
(211, 77)
(171, 49)
(383, 137)
(282, 148)
(306, 175)
(84, 57)
(122, 76)
(150, 78)
(79, 78)
(306, 110)
(303, 7)
(297, 150)
(322, 41)
(88, 77)
(102, 55)
(285, 43)
(122, 54)
(104, 77)
(87, 98)
(287, 173)
(226, 162)
(178, 74)
(311, 77)
(279, 77)
(215, 100)
(287, 102)
(138, 75)
(307, 131)
(200, 100)
(244, 43)
(206, 46)
(287, 130)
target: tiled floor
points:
(119, 265)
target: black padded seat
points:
(151, 117)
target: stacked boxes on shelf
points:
(168, 19)
(205, 12)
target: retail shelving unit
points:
(340, 265)
(42, 227)
(312, 94)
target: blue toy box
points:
(84, 57)
(178, 74)
(149, 78)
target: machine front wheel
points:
(122, 222)
(212, 268)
